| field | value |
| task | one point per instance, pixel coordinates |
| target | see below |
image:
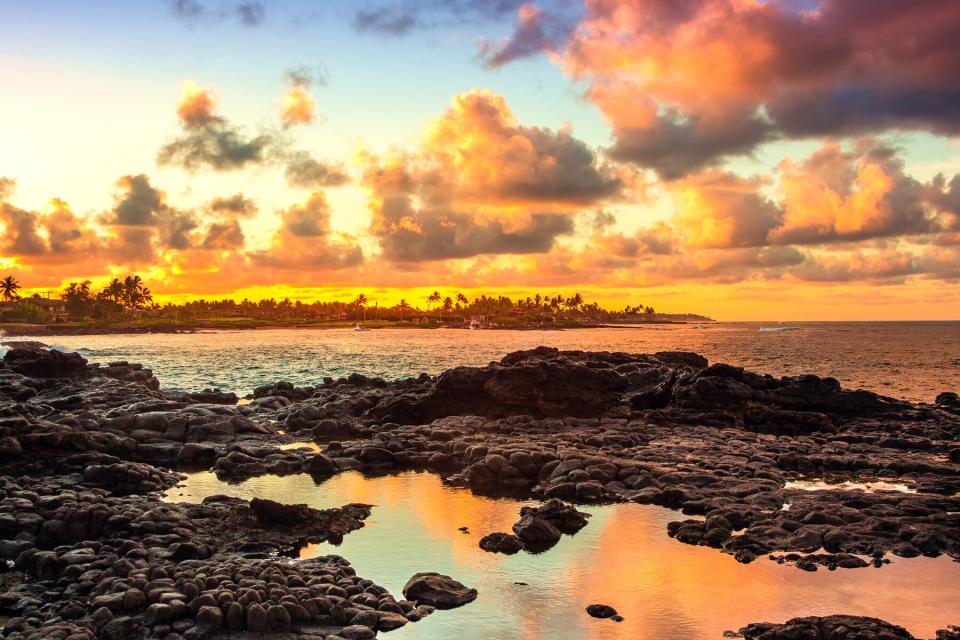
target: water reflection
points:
(869, 487)
(663, 588)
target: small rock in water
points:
(437, 590)
(603, 611)
(500, 542)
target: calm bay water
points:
(911, 360)
(665, 590)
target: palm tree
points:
(402, 306)
(361, 303)
(434, 298)
(462, 299)
(8, 289)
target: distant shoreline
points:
(12, 330)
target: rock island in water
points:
(91, 547)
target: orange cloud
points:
(297, 106)
(305, 241)
(196, 105)
(685, 84)
(480, 183)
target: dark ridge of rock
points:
(437, 590)
(837, 627)
(45, 363)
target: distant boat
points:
(774, 329)
(360, 327)
(699, 326)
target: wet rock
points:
(276, 513)
(535, 533)
(437, 590)
(601, 611)
(45, 363)
(826, 628)
(500, 542)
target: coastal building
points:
(52, 310)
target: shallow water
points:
(911, 360)
(871, 486)
(665, 589)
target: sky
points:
(745, 159)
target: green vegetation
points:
(128, 302)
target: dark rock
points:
(45, 363)
(500, 542)
(601, 611)
(535, 533)
(436, 590)
(826, 628)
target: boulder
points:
(500, 542)
(837, 627)
(536, 533)
(437, 590)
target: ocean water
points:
(665, 590)
(909, 360)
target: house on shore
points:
(52, 310)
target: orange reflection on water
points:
(664, 589)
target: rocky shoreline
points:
(89, 549)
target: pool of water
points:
(867, 486)
(664, 589)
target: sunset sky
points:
(746, 159)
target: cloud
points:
(196, 105)
(395, 21)
(716, 209)
(221, 236)
(488, 156)
(143, 223)
(686, 84)
(303, 170)
(55, 236)
(307, 75)
(235, 206)
(305, 241)
(480, 183)
(401, 18)
(216, 145)
(210, 141)
(536, 31)
(137, 203)
(297, 106)
(860, 265)
(838, 195)
(249, 14)
(7, 187)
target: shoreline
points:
(727, 450)
(15, 330)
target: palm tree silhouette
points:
(8, 289)
(403, 306)
(361, 303)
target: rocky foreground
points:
(89, 549)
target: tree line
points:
(130, 296)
